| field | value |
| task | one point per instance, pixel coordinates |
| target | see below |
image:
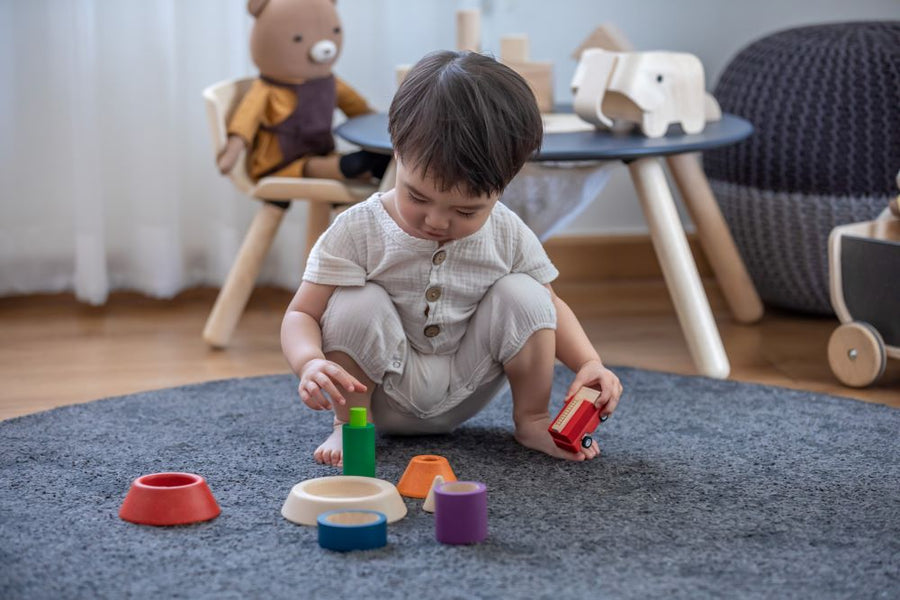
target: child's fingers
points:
(610, 406)
(590, 452)
(309, 401)
(304, 395)
(316, 400)
(356, 385)
(604, 397)
(321, 399)
(348, 381)
(327, 384)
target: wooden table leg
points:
(679, 269)
(715, 238)
(318, 217)
(233, 296)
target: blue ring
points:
(345, 537)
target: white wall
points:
(383, 33)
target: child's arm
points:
(301, 342)
(243, 125)
(574, 349)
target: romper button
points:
(433, 293)
(439, 257)
(396, 364)
(432, 330)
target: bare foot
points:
(331, 450)
(532, 433)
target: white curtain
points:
(107, 177)
(107, 173)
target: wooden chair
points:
(275, 194)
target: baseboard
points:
(596, 259)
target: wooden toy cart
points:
(864, 261)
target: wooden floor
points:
(55, 351)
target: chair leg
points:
(390, 177)
(715, 238)
(233, 296)
(679, 269)
(318, 217)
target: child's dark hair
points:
(465, 120)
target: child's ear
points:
(254, 7)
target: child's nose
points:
(436, 221)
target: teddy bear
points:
(285, 117)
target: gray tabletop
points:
(371, 133)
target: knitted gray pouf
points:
(825, 104)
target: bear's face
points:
(295, 40)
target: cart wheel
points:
(856, 354)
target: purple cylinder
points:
(460, 512)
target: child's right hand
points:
(321, 375)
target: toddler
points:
(420, 302)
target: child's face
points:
(442, 216)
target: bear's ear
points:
(254, 7)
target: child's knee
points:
(519, 306)
(363, 323)
(523, 298)
(357, 307)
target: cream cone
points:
(428, 506)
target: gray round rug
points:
(705, 489)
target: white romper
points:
(430, 324)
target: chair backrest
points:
(221, 99)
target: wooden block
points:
(608, 37)
(468, 30)
(400, 72)
(539, 76)
(514, 48)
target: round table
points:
(371, 133)
(644, 158)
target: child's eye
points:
(416, 200)
(467, 215)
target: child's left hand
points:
(594, 374)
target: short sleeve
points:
(335, 259)
(530, 257)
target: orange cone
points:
(420, 473)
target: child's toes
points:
(336, 456)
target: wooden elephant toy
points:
(650, 89)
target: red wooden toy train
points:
(572, 427)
